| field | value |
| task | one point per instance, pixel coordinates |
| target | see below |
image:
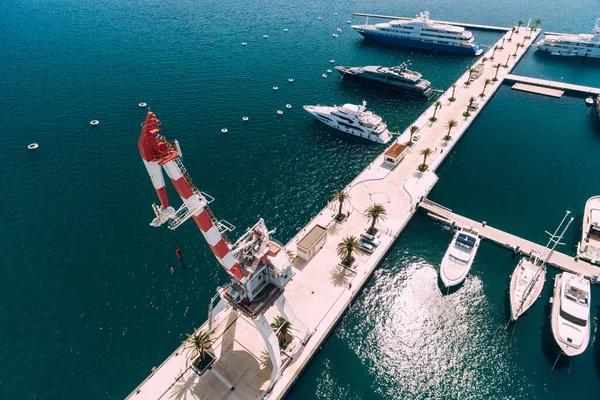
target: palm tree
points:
(468, 112)
(468, 82)
(346, 247)
(375, 212)
(512, 32)
(487, 82)
(517, 49)
(537, 23)
(437, 104)
(450, 124)
(494, 52)
(282, 327)
(521, 22)
(425, 153)
(502, 45)
(196, 345)
(483, 60)
(506, 63)
(497, 66)
(452, 98)
(341, 197)
(413, 129)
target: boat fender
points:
(172, 270)
(179, 254)
(517, 249)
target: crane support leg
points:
(286, 311)
(272, 343)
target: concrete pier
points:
(321, 290)
(567, 87)
(505, 239)
(463, 24)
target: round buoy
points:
(335, 35)
(244, 43)
(332, 61)
(244, 118)
(285, 29)
(329, 71)
(339, 29)
(265, 36)
(324, 75)
(275, 88)
(94, 122)
(224, 130)
(349, 21)
(288, 106)
(142, 105)
(335, 13)
(279, 112)
(320, 18)
(290, 80)
(33, 146)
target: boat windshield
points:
(465, 243)
(572, 319)
(577, 295)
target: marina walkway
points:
(321, 290)
(553, 84)
(504, 239)
(463, 24)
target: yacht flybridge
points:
(421, 32)
(459, 257)
(352, 119)
(582, 45)
(571, 313)
(589, 246)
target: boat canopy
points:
(595, 219)
(465, 240)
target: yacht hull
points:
(475, 50)
(526, 284)
(453, 273)
(409, 90)
(589, 246)
(383, 139)
(556, 320)
(568, 53)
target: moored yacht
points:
(352, 119)
(459, 257)
(589, 246)
(582, 45)
(527, 280)
(398, 78)
(571, 313)
(421, 32)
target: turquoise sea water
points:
(88, 305)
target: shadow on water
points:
(596, 343)
(451, 290)
(595, 121)
(382, 91)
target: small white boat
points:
(224, 130)
(285, 29)
(324, 75)
(589, 101)
(589, 246)
(290, 80)
(332, 61)
(320, 18)
(33, 146)
(288, 106)
(244, 118)
(527, 280)
(459, 257)
(94, 122)
(329, 71)
(142, 105)
(265, 36)
(279, 112)
(244, 43)
(275, 88)
(571, 313)
(335, 35)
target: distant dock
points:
(566, 87)
(504, 239)
(538, 90)
(463, 24)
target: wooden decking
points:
(553, 84)
(523, 87)
(463, 24)
(505, 239)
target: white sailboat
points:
(527, 281)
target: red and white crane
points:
(258, 266)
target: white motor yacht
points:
(352, 119)
(582, 45)
(571, 313)
(589, 246)
(459, 257)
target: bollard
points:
(484, 223)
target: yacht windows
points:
(572, 319)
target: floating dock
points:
(463, 24)
(523, 87)
(505, 239)
(321, 290)
(566, 87)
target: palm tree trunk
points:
(340, 210)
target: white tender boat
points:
(589, 246)
(352, 119)
(582, 45)
(459, 257)
(571, 313)
(527, 280)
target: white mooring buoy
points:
(288, 106)
(275, 88)
(290, 80)
(33, 146)
(244, 118)
(224, 130)
(94, 122)
(279, 112)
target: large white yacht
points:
(571, 313)
(421, 32)
(583, 45)
(589, 246)
(527, 280)
(352, 119)
(459, 257)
